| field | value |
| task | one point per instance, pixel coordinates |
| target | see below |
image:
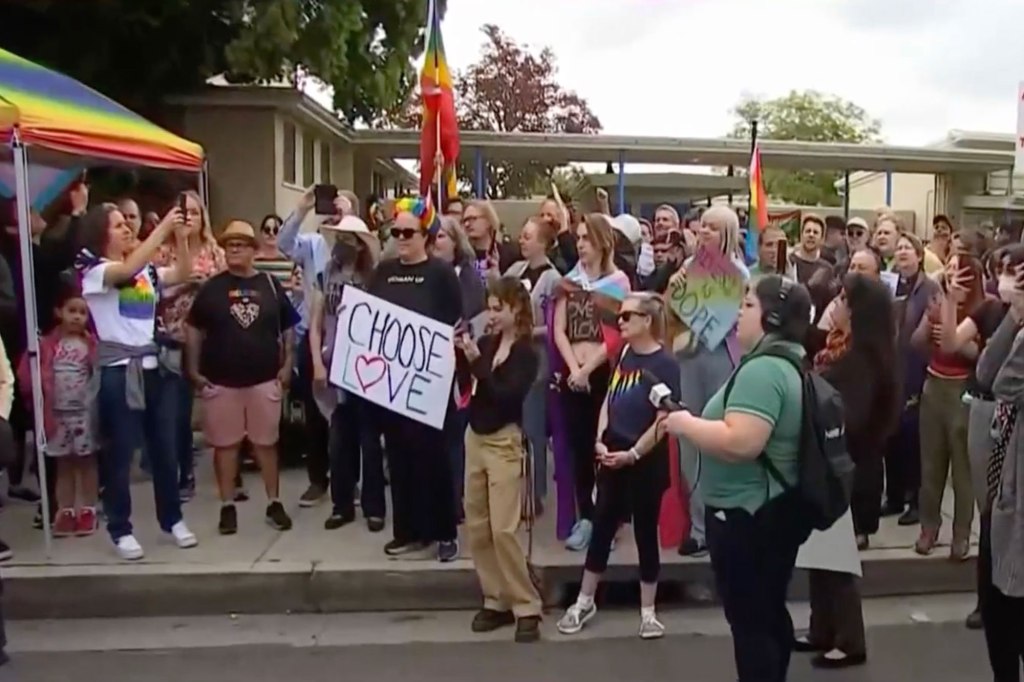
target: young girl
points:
(66, 358)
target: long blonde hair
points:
(206, 237)
(600, 234)
(730, 227)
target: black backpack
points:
(824, 466)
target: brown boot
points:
(528, 629)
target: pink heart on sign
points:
(364, 363)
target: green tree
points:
(139, 51)
(508, 89)
(807, 116)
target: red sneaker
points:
(64, 523)
(86, 523)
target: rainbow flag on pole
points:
(757, 220)
(439, 139)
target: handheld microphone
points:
(661, 395)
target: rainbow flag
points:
(757, 220)
(440, 127)
(54, 111)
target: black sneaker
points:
(893, 508)
(974, 621)
(694, 548)
(6, 554)
(4, 658)
(399, 547)
(228, 520)
(241, 494)
(335, 521)
(277, 517)
(447, 551)
(24, 494)
(375, 524)
(314, 495)
(910, 517)
(489, 620)
(528, 629)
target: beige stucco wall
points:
(239, 145)
(911, 192)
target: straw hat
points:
(351, 224)
(237, 229)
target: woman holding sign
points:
(421, 479)
(705, 340)
(587, 298)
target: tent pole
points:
(204, 183)
(20, 154)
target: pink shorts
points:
(232, 414)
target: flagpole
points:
(753, 148)
(435, 25)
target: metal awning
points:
(560, 149)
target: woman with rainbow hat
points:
(421, 478)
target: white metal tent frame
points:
(19, 154)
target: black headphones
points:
(772, 318)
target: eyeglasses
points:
(627, 315)
(403, 233)
(468, 219)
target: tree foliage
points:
(139, 51)
(807, 116)
(508, 89)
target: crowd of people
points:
(140, 316)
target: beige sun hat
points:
(237, 229)
(351, 224)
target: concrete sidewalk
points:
(309, 569)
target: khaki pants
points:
(944, 446)
(493, 503)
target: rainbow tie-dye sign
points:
(708, 300)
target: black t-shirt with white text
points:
(430, 288)
(242, 319)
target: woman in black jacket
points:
(859, 360)
(504, 366)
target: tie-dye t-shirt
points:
(123, 314)
(630, 412)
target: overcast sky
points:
(677, 67)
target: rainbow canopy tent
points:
(65, 127)
(56, 112)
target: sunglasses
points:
(627, 315)
(271, 229)
(856, 233)
(403, 233)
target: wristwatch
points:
(635, 454)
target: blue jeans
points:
(176, 416)
(535, 425)
(124, 431)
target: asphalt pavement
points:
(934, 652)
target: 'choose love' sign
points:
(398, 359)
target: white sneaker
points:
(128, 548)
(183, 536)
(651, 627)
(575, 618)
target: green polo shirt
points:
(768, 388)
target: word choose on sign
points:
(393, 357)
(708, 299)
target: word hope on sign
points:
(393, 357)
(708, 299)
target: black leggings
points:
(1003, 616)
(635, 489)
(581, 410)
